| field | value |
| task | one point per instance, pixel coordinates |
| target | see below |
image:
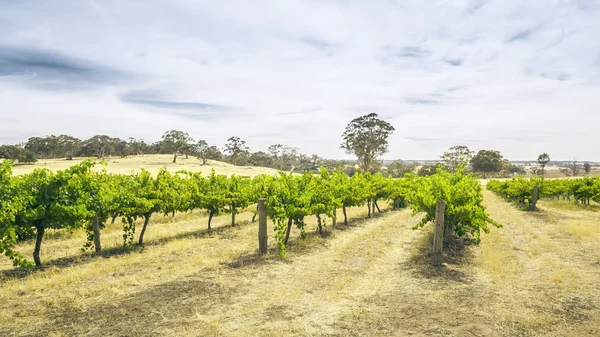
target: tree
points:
(367, 138)
(39, 146)
(275, 152)
(398, 168)
(543, 160)
(427, 170)
(213, 153)
(201, 149)
(456, 155)
(12, 152)
(574, 167)
(176, 142)
(512, 169)
(99, 146)
(260, 159)
(587, 167)
(487, 161)
(67, 147)
(238, 150)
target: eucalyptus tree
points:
(367, 138)
(455, 156)
(176, 142)
(543, 160)
(486, 162)
(238, 150)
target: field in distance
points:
(151, 163)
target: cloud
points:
(525, 34)
(421, 139)
(424, 101)
(559, 76)
(474, 6)
(406, 52)
(51, 70)
(303, 69)
(189, 109)
(304, 111)
(454, 62)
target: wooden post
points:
(438, 234)
(262, 226)
(534, 197)
(96, 230)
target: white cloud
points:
(520, 77)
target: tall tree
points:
(367, 138)
(487, 161)
(67, 147)
(398, 168)
(587, 167)
(201, 149)
(456, 155)
(238, 150)
(543, 160)
(99, 146)
(574, 167)
(260, 159)
(176, 142)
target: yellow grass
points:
(151, 163)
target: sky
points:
(521, 77)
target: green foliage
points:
(367, 138)
(465, 214)
(519, 190)
(456, 156)
(177, 142)
(10, 206)
(427, 170)
(237, 150)
(215, 195)
(487, 161)
(398, 168)
(71, 198)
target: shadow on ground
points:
(456, 253)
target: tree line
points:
(174, 142)
(365, 137)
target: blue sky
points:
(522, 77)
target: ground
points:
(539, 275)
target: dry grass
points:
(537, 276)
(554, 172)
(542, 258)
(151, 163)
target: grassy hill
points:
(151, 163)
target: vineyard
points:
(373, 274)
(520, 190)
(84, 197)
